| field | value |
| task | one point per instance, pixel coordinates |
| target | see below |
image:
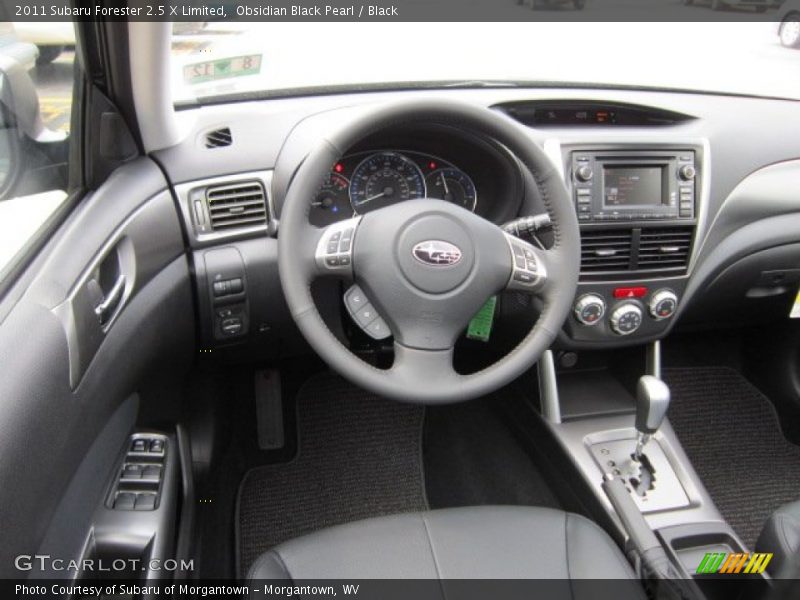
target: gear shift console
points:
(652, 402)
(640, 463)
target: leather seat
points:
(781, 536)
(458, 543)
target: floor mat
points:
(730, 432)
(358, 456)
(472, 458)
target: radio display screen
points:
(632, 186)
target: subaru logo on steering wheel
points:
(437, 253)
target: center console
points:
(613, 438)
(638, 207)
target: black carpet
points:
(358, 456)
(472, 458)
(730, 432)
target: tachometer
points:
(332, 202)
(454, 186)
(384, 179)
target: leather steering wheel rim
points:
(421, 375)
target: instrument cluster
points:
(367, 181)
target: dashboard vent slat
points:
(618, 254)
(236, 205)
(219, 138)
(665, 248)
(603, 250)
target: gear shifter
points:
(652, 402)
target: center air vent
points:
(665, 249)
(606, 250)
(236, 205)
(618, 254)
(219, 138)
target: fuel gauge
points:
(453, 185)
(332, 202)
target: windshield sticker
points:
(223, 68)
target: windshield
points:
(222, 58)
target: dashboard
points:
(366, 181)
(687, 203)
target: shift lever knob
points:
(652, 402)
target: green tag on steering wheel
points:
(480, 327)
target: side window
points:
(37, 62)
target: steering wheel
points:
(427, 266)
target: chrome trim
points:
(425, 252)
(184, 192)
(321, 251)
(548, 388)
(614, 141)
(540, 275)
(372, 155)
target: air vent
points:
(236, 205)
(219, 138)
(606, 250)
(616, 254)
(665, 249)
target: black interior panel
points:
(49, 426)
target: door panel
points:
(67, 370)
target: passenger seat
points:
(781, 536)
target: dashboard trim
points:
(184, 193)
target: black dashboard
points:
(707, 224)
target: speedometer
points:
(384, 179)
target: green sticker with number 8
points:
(223, 68)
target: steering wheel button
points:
(529, 254)
(344, 245)
(524, 277)
(520, 260)
(332, 261)
(344, 260)
(518, 251)
(365, 315)
(531, 265)
(333, 247)
(378, 329)
(354, 298)
(335, 236)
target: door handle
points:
(111, 301)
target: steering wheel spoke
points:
(530, 266)
(334, 251)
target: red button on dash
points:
(630, 292)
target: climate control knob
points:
(663, 304)
(589, 309)
(584, 173)
(626, 318)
